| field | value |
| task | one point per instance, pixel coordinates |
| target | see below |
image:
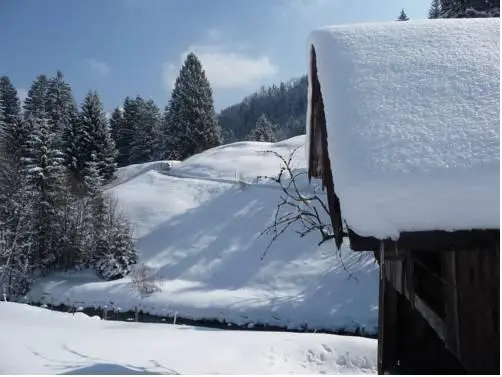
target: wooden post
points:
(450, 295)
(390, 320)
(381, 311)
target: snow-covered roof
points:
(412, 117)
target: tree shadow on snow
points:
(96, 366)
(218, 244)
(219, 241)
(103, 368)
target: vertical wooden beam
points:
(381, 310)
(387, 334)
(389, 352)
(450, 294)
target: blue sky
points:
(130, 47)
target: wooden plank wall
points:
(471, 292)
(478, 292)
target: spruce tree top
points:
(10, 100)
(403, 16)
(192, 118)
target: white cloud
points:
(98, 66)
(22, 94)
(307, 9)
(225, 67)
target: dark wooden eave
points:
(430, 240)
(319, 164)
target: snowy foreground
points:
(199, 230)
(39, 341)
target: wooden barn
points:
(403, 128)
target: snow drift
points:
(198, 225)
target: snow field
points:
(39, 341)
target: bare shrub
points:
(143, 279)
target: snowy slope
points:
(201, 235)
(38, 341)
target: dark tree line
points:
(54, 214)
(188, 124)
(464, 8)
(283, 106)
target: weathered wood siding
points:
(459, 300)
(478, 293)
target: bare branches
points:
(301, 208)
(296, 206)
(143, 280)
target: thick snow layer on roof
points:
(412, 113)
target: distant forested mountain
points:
(283, 106)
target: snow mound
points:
(130, 172)
(412, 112)
(38, 341)
(243, 160)
(201, 236)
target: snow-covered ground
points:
(199, 230)
(39, 341)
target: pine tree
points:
(115, 253)
(44, 174)
(192, 121)
(93, 179)
(72, 153)
(14, 215)
(14, 135)
(470, 8)
(435, 9)
(403, 16)
(125, 134)
(117, 129)
(145, 143)
(167, 143)
(36, 103)
(11, 110)
(94, 136)
(263, 131)
(61, 110)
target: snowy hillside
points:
(199, 230)
(39, 341)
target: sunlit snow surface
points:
(39, 341)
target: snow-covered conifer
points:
(434, 9)
(94, 136)
(36, 103)
(403, 16)
(61, 110)
(44, 174)
(263, 131)
(146, 133)
(193, 126)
